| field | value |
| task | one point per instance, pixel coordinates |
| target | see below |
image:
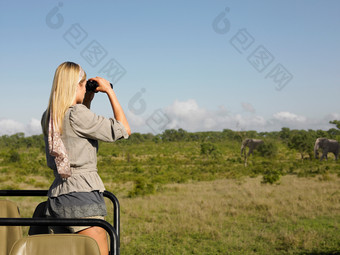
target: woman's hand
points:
(103, 84)
(89, 95)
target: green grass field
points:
(176, 199)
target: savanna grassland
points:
(191, 193)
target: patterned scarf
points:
(57, 149)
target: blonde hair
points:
(63, 94)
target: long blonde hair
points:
(63, 94)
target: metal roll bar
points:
(115, 240)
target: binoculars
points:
(91, 85)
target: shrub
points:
(14, 156)
(268, 149)
(142, 188)
(302, 141)
(271, 176)
(210, 149)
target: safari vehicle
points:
(39, 241)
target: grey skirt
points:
(77, 205)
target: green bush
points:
(268, 149)
(271, 176)
(209, 149)
(142, 188)
(14, 156)
(302, 141)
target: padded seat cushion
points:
(9, 234)
(56, 244)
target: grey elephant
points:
(327, 145)
(252, 144)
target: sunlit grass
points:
(235, 217)
(176, 200)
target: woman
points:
(71, 131)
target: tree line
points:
(300, 140)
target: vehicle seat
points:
(9, 234)
(56, 244)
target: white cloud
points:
(333, 116)
(188, 109)
(135, 120)
(10, 127)
(294, 121)
(33, 128)
(191, 117)
(289, 117)
(188, 115)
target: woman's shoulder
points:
(79, 107)
(80, 115)
(79, 110)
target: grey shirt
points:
(81, 131)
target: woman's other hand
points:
(103, 84)
(89, 95)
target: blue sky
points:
(197, 65)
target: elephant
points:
(252, 144)
(327, 145)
